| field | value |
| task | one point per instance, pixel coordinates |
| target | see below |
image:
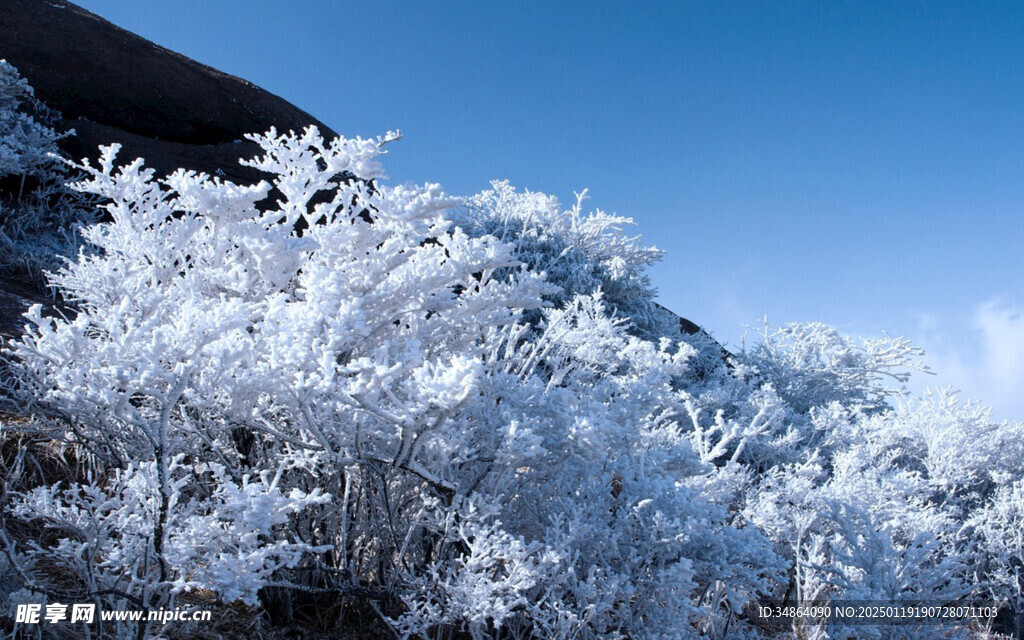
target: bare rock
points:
(114, 86)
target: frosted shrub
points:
(26, 140)
(116, 549)
(581, 252)
(466, 416)
(38, 214)
(900, 503)
(358, 405)
(1001, 525)
(813, 364)
(211, 330)
(864, 563)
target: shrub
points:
(38, 214)
(359, 408)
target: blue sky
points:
(855, 163)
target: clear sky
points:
(856, 163)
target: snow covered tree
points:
(229, 369)
(812, 365)
(468, 415)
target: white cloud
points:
(982, 356)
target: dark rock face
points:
(16, 296)
(111, 85)
(114, 86)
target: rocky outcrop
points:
(111, 85)
(114, 86)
